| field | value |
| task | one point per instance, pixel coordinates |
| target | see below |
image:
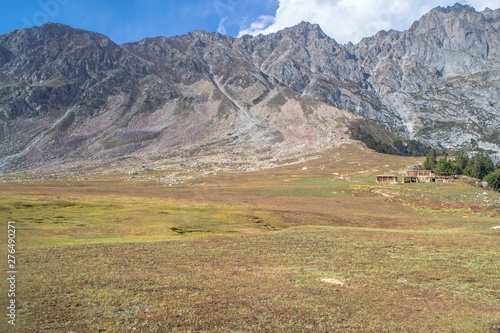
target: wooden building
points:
(419, 176)
(387, 179)
(445, 177)
(428, 176)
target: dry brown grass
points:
(248, 252)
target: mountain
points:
(440, 77)
(73, 97)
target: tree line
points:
(399, 146)
(478, 166)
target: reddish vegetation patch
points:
(450, 205)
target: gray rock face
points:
(441, 76)
(67, 95)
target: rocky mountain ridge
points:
(69, 96)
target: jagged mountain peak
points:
(307, 28)
(458, 8)
(304, 33)
(458, 13)
(490, 13)
(206, 34)
(51, 40)
(53, 32)
(67, 94)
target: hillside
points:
(312, 247)
(74, 98)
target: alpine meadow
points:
(270, 183)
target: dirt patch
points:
(333, 281)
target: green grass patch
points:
(292, 249)
(391, 280)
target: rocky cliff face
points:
(441, 76)
(68, 95)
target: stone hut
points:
(445, 177)
(428, 176)
(387, 179)
(419, 176)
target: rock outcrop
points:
(70, 96)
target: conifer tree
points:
(493, 179)
(479, 166)
(430, 161)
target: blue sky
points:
(132, 20)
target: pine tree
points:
(445, 165)
(493, 179)
(430, 161)
(461, 161)
(479, 166)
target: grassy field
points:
(311, 247)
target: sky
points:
(132, 20)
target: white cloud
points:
(222, 27)
(351, 20)
(261, 24)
